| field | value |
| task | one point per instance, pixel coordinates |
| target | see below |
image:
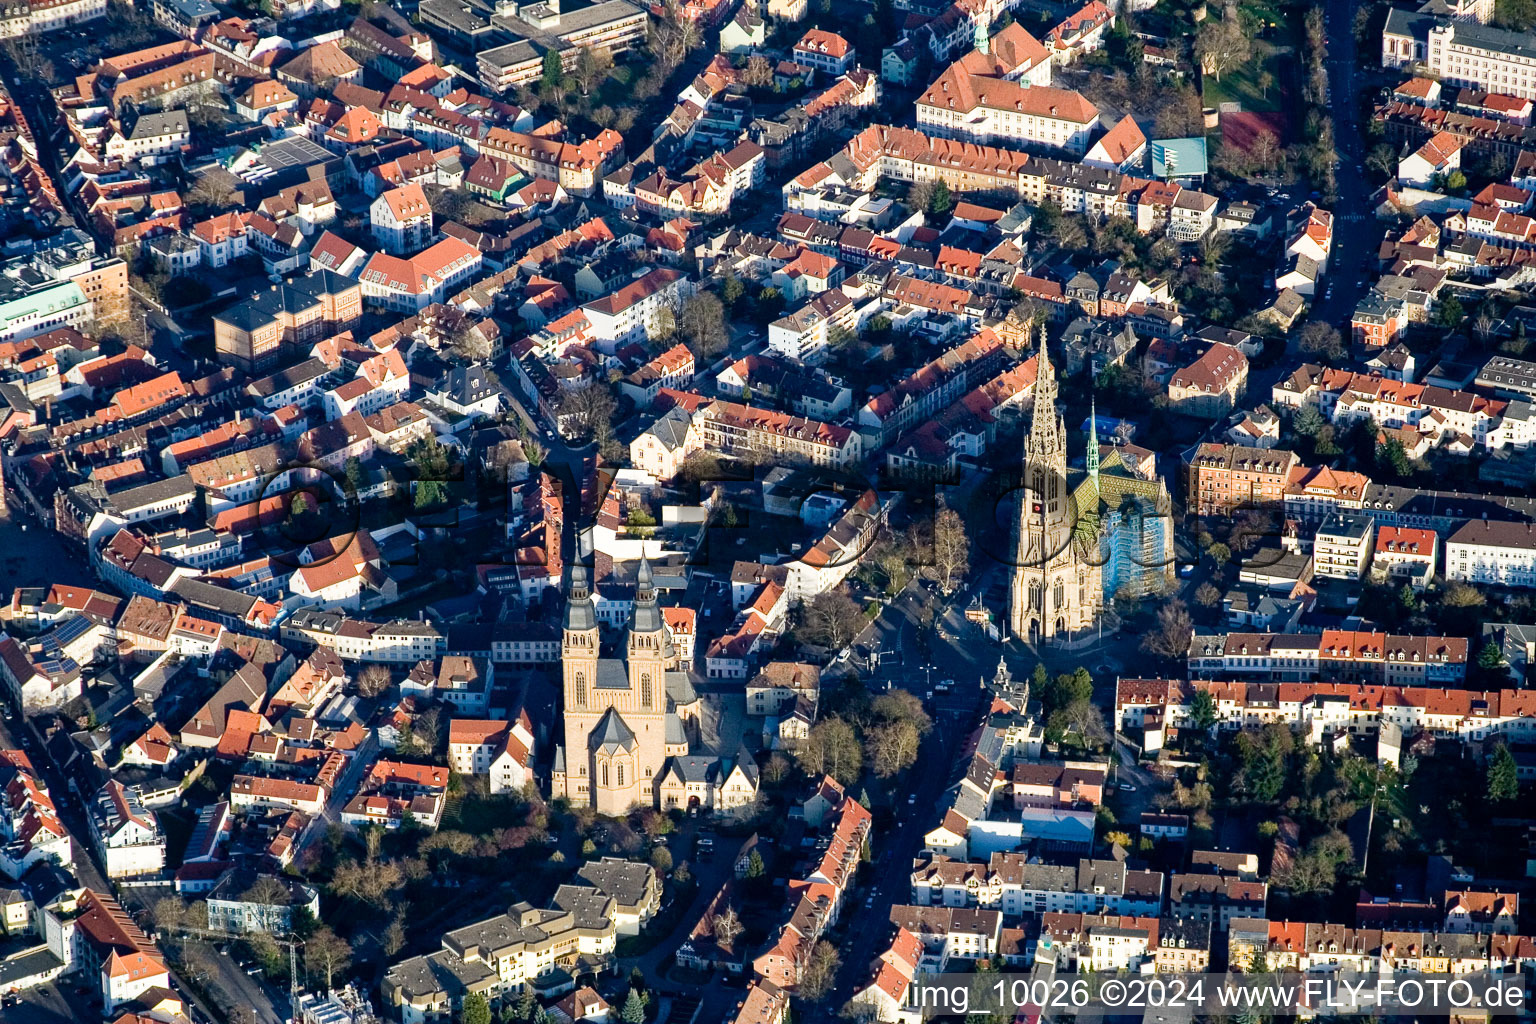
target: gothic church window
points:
(605, 773)
(581, 689)
(645, 689)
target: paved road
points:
(1357, 234)
(46, 1004)
(865, 925)
(241, 989)
(710, 874)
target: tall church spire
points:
(1093, 440)
(1054, 590)
(1045, 431)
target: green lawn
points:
(1242, 86)
(480, 815)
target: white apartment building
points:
(127, 836)
(1456, 714)
(991, 110)
(1010, 884)
(1343, 545)
(1489, 551)
(39, 16)
(1406, 551)
(501, 954)
(151, 136)
(401, 219)
(825, 51)
(498, 749)
(465, 683)
(635, 311)
(1461, 53)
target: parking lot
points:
(48, 1004)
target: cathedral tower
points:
(579, 643)
(615, 708)
(1055, 591)
(649, 647)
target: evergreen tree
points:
(554, 71)
(1202, 709)
(942, 200)
(475, 1010)
(1503, 777)
(634, 1008)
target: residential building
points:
(127, 837)
(1343, 545)
(1212, 385)
(91, 935)
(1492, 552)
(991, 111)
(401, 219)
(243, 902)
(634, 311)
(498, 749)
(826, 52)
(1226, 477)
(1459, 53)
(502, 954)
(733, 429)
(1407, 551)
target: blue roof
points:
(1178, 158)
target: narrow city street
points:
(71, 807)
(866, 919)
(1357, 233)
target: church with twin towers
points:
(632, 720)
(1083, 536)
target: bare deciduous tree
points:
(820, 971)
(951, 548)
(1170, 638)
(588, 405)
(832, 749)
(1222, 45)
(727, 927)
(831, 619)
(373, 680)
(892, 747)
(327, 953)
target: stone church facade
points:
(1057, 584)
(1087, 535)
(631, 723)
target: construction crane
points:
(293, 943)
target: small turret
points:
(580, 614)
(647, 616)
